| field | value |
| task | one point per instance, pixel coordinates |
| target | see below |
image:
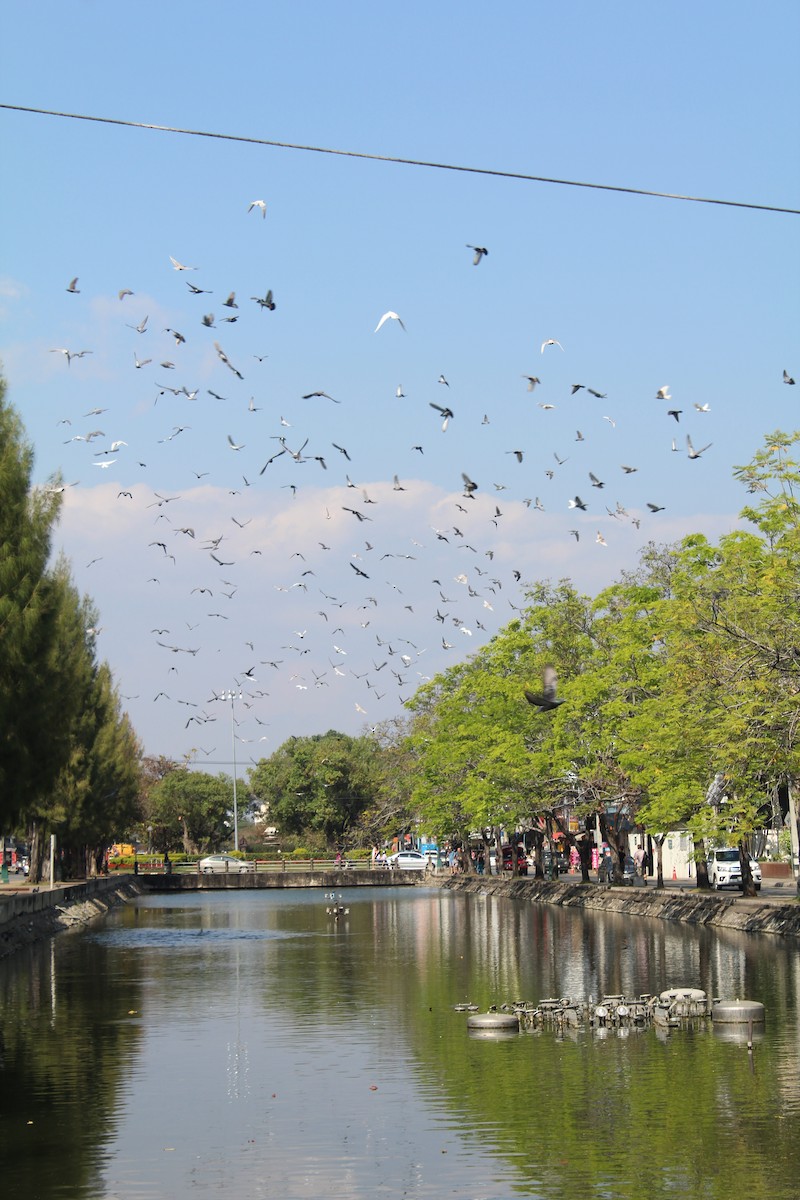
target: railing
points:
(148, 865)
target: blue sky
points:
(640, 293)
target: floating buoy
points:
(738, 1012)
(493, 1020)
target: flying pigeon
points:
(390, 316)
(545, 700)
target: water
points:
(245, 1043)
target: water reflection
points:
(248, 1042)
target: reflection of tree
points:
(67, 1044)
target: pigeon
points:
(787, 378)
(676, 413)
(390, 316)
(654, 508)
(267, 301)
(180, 266)
(532, 381)
(545, 700)
(447, 413)
(262, 204)
(691, 450)
(73, 286)
(551, 342)
(480, 252)
(577, 503)
(663, 393)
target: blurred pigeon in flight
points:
(545, 700)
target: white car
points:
(408, 860)
(724, 869)
(223, 862)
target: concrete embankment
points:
(668, 904)
(28, 915)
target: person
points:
(606, 870)
(640, 859)
(480, 864)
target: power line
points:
(409, 162)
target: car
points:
(223, 862)
(522, 860)
(408, 860)
(725, 870)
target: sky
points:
(321, 556)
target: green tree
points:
(192, 810)
(321, 783)
(31, 746)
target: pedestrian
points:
(639, 860)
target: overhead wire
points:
(409, 162)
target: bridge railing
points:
(155, 865)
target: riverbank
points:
(776, 916)
(29, 915)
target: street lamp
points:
(232, 696)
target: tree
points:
(191, 809)
(31, 748)
(321, 783)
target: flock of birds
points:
(367, 633)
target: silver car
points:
(408, 860)
(223, 863)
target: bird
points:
(654, 508)
(70, 354)
(469, 484)
(442, 379)
(676, 413)
(233, 445)
(141, 327)
(322, 395)
(446, 413)
(702, 408)
(231, 301)
(480, 252)
(663, 393)
(180, 266)
(123, 292)
(224, 358)
(545, 700)
(691, 450)
(532, 381)
(577, 503)
(196, 291)
(73, 286)
(139, 364)
(787, 378)
(598, 483)
(390, 316)
(551, 342)
(267, 302)
(601, 541)
(262, 204)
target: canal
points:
(247, 1043)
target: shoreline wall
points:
(37, 913)
(666, 904)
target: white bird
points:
(702, 407)
(104, 465)
(691, 450)
(551, 342)
(390, 316)
(601, 541)
(180, 266)
(233, 445)
(663, 393)
(262, 204)
(70, 354)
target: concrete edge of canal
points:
(667, 904)
(31, 914)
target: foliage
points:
(321, 783)
(190, 810)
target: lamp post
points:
(230, 695)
